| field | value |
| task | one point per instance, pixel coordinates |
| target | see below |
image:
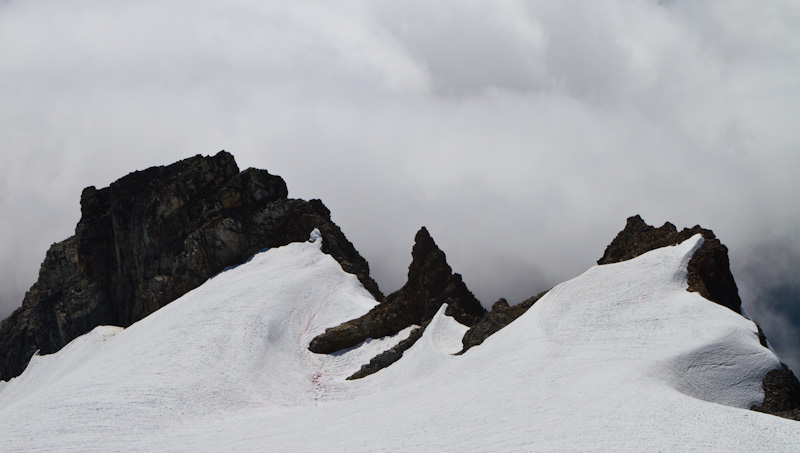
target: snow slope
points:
(619, 358)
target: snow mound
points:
(45, 371)
(445, 333)
(637, 318)
(621, 358)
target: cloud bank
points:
(521, 133)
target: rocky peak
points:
(154, 235)
(428, 263)
(431, 283)
(709, 269)
(709, 274)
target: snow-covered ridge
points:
(657, 328)
(620, 358)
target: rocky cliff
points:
(151, 237)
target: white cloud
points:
(521, 133)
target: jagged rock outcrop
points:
(781, 394)
(500, 316)
(391, 355)
(152, 236)
(431, 283)
(709, 269)
(709, 274)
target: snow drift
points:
(619, 358)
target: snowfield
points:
(621, 358)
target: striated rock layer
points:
(151, 237)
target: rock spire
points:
(431, 283)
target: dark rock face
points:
(781, 394)
(390, 356)
(500, 316)
(151, 237)
(708, 271)
(431, 283)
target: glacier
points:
(620, 358)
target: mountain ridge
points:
(709, 269)
(619, 358)
(155, 234)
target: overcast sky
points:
(522, 134)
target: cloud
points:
(521, 133)
(767, 278)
